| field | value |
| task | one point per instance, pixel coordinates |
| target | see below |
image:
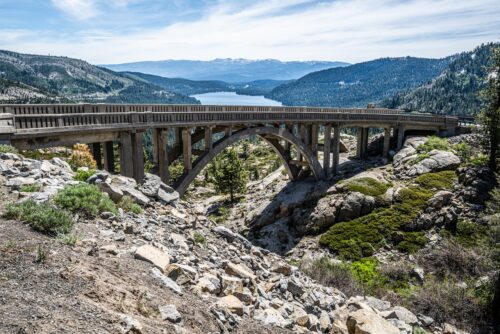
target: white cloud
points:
(77, 9)
(353, 31)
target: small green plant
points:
(41, 217)
(67, 238)
(440, 180)
(83, 175)
(367, 186)
(220, 216)
(128, 205)
(412, 242)
(8, 149)
(41, 254)
(418, 158)
(479, 160)
(199, 238)
(30, 188)
(434, 143)
(85, 198)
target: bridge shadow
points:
(273, 229)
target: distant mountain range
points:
(359, 84)
(228, 70)
(191, 87)
(46, 79)
(455, 90)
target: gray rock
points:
(295, 287)
(169, 283)
(401, 313)
(170, 313)
(167, 197)
(437, 161)
(153, 255)
(231, 236)
(440, 199)
(355, 205)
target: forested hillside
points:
(359, 84)
(455, 91)
(37, 79)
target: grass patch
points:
(8, 149)
(67, 238)
(128, 205)
(199, 238)
(367, 186)
(412, 242)
(85, 198)
(83, 175)
(360, 237)
(440, 180)
(41, 254)
(434, 143)
(30, 188)
(220, 216)
(41, 217)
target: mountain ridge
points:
(229, 70)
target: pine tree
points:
(229, 174)
(490, 115)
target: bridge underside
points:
(296, 144)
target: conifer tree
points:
(229, 174)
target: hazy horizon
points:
(122, 31)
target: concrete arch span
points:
(272, 135)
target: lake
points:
(231, 98)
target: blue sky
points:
(115, 31)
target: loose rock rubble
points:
(234, 278)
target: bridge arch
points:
(271, 135)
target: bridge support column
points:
(401, 137)
(96, 152)
(228, 131)
(160, 145)
(387, 142)
(336, 149)
(187, 149)
(314, 139)
(362, 143)
(109, 156)
(138, 156)
(208, 138)
(326, 149)
(126, 162)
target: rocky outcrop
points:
(436, 162)
(355, 205)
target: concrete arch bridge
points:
(292, 132)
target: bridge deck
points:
(24, 121)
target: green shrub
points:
(434, 143)
(440, 180)
(220, 216)
(367, 186)
(83, 175)
(333, 274)
(479, 160)
(41, 217)
(85, 198)
(472, 234)
(30, 188)
(8, 149)
(128, 205)
(360, 237)
(412, 242)
(67, 238)
(418, 158)
(199, 238)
